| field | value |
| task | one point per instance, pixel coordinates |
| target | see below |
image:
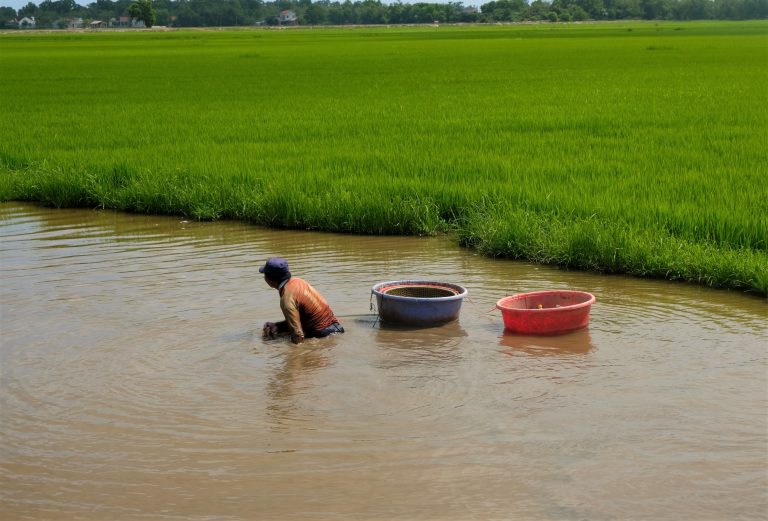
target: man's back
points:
(305, 309)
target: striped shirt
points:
(305, 309)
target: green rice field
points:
(637, 148)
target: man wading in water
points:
(307, 314)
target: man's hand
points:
(269, 330)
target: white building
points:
(28, 22)
(287, 17)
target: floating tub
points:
(418, 302)
(546, 312)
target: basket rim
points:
(500, 304)
(380, 288)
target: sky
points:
(18, 4)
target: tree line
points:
(226, 13)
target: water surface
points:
(135, 385)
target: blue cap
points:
(276, 268)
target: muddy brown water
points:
(135, 385)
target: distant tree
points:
(693, 10)
(594, 9)
(504, 10)
(7, 15)
(187, 17)
(143, 11)
(539, 10)
(316, 14)
(656, 9)
(208, 13)
(351, 16)
(100, 10)
(65, 7)
(623, 9)
(28, 10)
(371, 12)
(756, 9)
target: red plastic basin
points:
(546, 312)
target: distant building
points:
(75, 23)
(126, 21)
(28, 22)
(287, 17)
(123, 21)
(97, 24)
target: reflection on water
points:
(402, 344)
(293, 379)
(134, 384)
(574, 343)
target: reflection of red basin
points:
(546, 312)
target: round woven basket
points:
(418, 302)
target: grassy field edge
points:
(492, 228)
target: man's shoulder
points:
(295, 282)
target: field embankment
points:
(633, 148)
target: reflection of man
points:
(307, 314)
(294, 379)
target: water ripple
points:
(135, 384)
